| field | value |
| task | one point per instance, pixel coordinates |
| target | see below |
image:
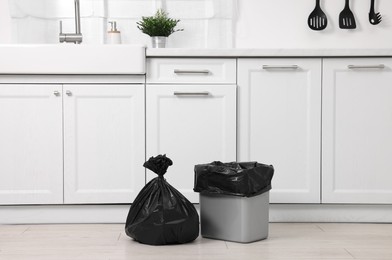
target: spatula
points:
(346, 18)
(317, 19)
(374, 18)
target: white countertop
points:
(70, 59)
(182, 52)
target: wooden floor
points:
(286, 241)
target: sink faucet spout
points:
(77, 17)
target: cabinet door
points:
(103, 143)
(190, 129)
(279, 123)
(31, 159)
(357, 127)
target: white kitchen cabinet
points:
(279, 123)
(191, 124)
(104, 147)
(31, 154)
(71, 143)
(357, 127)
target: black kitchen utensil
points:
(317, 19)
(346, 18)
(374, 18)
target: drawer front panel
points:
(219, 71)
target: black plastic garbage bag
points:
(245, 179)
(160, 214)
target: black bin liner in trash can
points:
(160, 214)
(245, 179)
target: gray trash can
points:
(233, 218)
(234, 200)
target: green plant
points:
(158, 25)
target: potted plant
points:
(159, 27)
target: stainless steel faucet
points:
(76, 37)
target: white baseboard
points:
(118, 213)
(54, 214)
(330, 213)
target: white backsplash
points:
(207, 23)
(283, 24)
(278, 24)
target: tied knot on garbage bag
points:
(158, 164)
(160, 214)
(245, 179)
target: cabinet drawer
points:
(182, 70)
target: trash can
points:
(234, 200)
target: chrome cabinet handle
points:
(379, 66)
(201, 93)
(68, 92)
(284, 67)
(177, 71)
(56, 93)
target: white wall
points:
(283, 24)
(5, 22)
(207, 23)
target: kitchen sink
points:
(71, 59)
